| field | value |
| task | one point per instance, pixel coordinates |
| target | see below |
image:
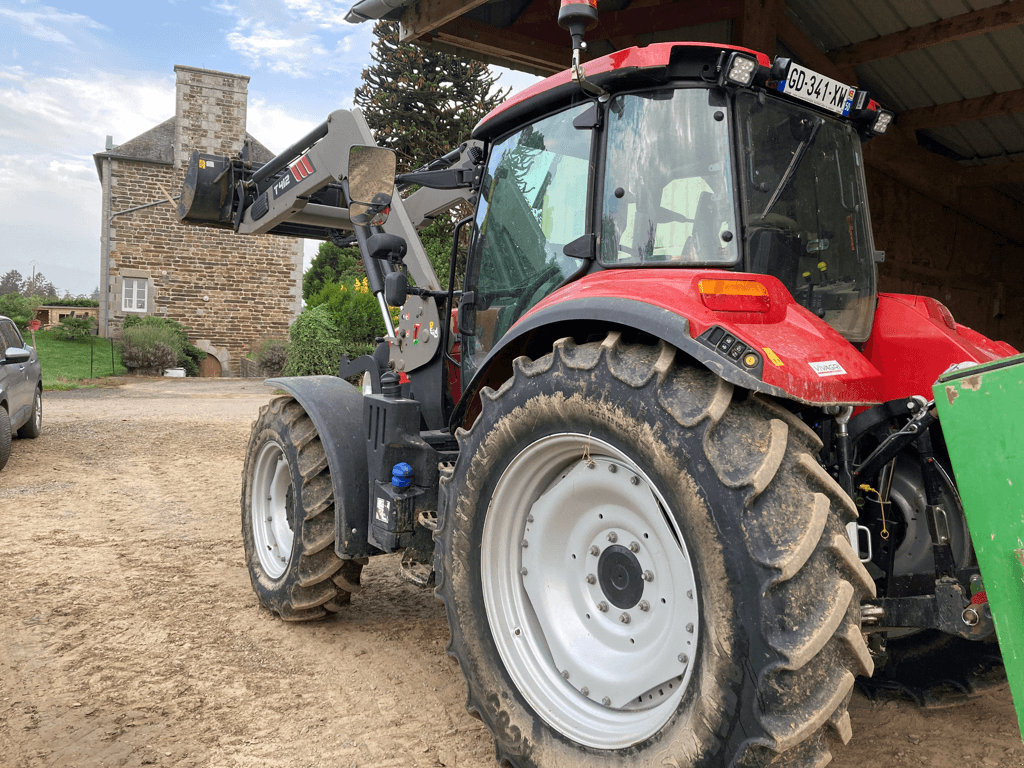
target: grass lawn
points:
(67, 363)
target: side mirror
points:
(17, 355)
(371, 180)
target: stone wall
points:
(232, 291)
(931, 250)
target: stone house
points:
(231, 291)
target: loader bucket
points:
(981, 410)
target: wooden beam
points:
(943, 31)
(808, 52)
(993, 175)
(996, 104)
(504, 45)
(427, 15)
(755, 28)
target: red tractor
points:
(674, 470)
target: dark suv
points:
(21, 388)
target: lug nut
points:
(683, 658)
(585, 691)
(565, 673)
(634, 480)
(689, 593)
(606, 701)
(613, 537)
(594, 550)
(525, 543)
(612, 468)
(591, 579)
(634, 547)
(523, 571)
(624, 618)
(689, 628)
(529, 518)
(644, 605)
(647, 576)
(602, 607)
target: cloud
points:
(41, 23)
(277, 128)
(280, 51)
(73, 115)
(323, 13)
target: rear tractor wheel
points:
(643, 567)
(288, 518)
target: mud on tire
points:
(288, 518)
(753, 556)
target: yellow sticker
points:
(773, 357)
(202, 163)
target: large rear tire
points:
(641, 566)
(288, 518)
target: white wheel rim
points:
(606, 678)
(38, 418)
(272, 531)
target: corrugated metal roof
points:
(949, 72)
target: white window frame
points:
(130, 287)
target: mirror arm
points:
(448, 178)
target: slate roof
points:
(157, 146)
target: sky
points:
(73, 73)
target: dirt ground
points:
(129, 634)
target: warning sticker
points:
(383, 508)
(776, 360)
(828, 368)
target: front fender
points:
(336, 410)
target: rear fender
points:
(800, 357)
(336, 410)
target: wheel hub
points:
(620, 576)
(273, 510)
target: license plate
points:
(807, 85)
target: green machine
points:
(981, 409)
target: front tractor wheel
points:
(643, 567)
(288, 518)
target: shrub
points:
(72, 328)
(190, 355)
(150, 346)
(313, 347)
(71, 303)
(18, 308)
(356, 315)
(271, 354)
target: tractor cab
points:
(684, 155)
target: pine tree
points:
(11, 282)
(419, 102)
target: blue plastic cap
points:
(401, 475)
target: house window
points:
(134, 294)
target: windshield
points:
(668, 195)
(803, 204)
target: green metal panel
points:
(981, 410)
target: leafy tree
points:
(18, 308)
(332, 265)
(419, 102)
(11, 282)
(38, 286)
